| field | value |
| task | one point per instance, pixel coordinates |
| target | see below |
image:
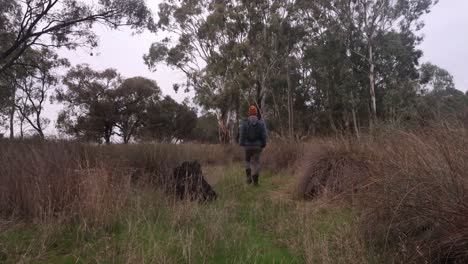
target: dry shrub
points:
(418, 204)
(332, 166)
(412, 189)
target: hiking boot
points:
(255, 179)
(248, 172)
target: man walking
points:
(253, 137)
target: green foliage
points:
(434, 78)
(310, 66)
(132, 101)
(443, 105)
(168, 120)
(5, 95)
(100, 105)
(206, 130)
(90, 112)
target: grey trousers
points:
(252, 158)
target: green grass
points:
(245, 224)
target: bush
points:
(333, 168)
(418, 202)
(412, 189)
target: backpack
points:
(253, 131)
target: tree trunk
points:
(332, 122)
(108, 134)
(355, 124)
(346, 121)
(278, 115)
(125, 134)
(38, 126)
(372, 84)
(290, 107)
(22, 128)
(237, 120)
(329, 110)
(12, 115)
(261, 100)
(263, 107)
(223, 128)
(41, 134)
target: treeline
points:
(103, 106)
(99, 106)
(311, 67)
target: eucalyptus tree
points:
(438, 98)
(33, 88)
(133, 99)
(309, 66)
(231, 52)
(28, 26)
(58, 23)
(353, 46)
(330, 77)
(196, 29)
(90, 108)
(168, 121)
(434, 78)
(371, 18)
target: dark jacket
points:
(262, 137)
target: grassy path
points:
(245, 225)
(253, 216)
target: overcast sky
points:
(445, 44)
(446, 39)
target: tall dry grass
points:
(418, 202)
(63, 179)
(282, 155)
(411, 187)
(39, 180)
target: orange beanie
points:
(252, 110)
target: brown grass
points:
(419, 200)
(39, 180)
(409, 190)
(411, 187)
(282, 155)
